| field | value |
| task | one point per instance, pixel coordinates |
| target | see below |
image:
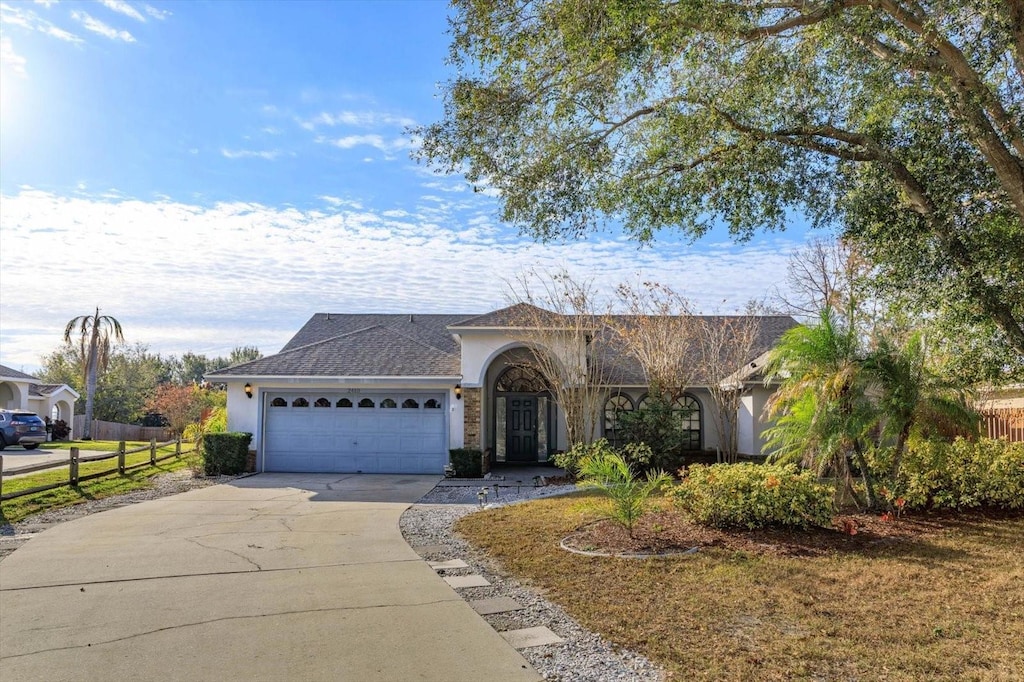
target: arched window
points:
(687, 411)
(410, 404)
(279, 402)
(520, 379)
(388, 403)
(643, 402)
(432, 405)
(613, 409)
(365, 402)
(344, 402)
(300, 402)
(322, 402)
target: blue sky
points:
(212, 173)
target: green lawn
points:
(105, 486)
(943, 606)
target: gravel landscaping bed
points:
(13, 535)
(583, 655)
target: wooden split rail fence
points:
(75, 458)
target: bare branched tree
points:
(661, 332)
(558, 316)
(829, 274)
(727, 345)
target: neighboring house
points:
(392, 393)
(20, 391)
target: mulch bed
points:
(671, 532)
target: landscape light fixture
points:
(248, 390)
(458, 391)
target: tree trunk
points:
(869, 484)
(90, 382)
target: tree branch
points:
(969, 88)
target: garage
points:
(350, 432)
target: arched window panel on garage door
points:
(344, 402)
(279, 402)
(388, 403)
(432, 404)
(300, 402)
(410, 404)
(322, 402)
(366, 402)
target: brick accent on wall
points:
(471, 417)
(250, 461)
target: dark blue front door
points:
(521, 429)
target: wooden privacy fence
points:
(75, 458)
(1006, 423)
(102, 430)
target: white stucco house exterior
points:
(20, 391)
(393, 393)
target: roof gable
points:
(11, 373)
(377, 350)
(512, 316)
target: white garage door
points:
(393, 432)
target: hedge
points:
(754, 496)
(225, 453)
(467, 462)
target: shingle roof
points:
(513, 316)
(623, 369)
(366, 345)
(412, 348)
(11, 373)
(44, 389)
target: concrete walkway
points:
(272, 577)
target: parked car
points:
(21, 428)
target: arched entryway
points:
(10, 396)
(522, 417)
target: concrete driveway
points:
(272, 577)
(15, 456)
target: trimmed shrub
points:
(225, 453)
(467, 462)
(962, 474)
(637, 455)
(754, 496)
(571, 458)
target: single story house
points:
(20, 391)
(392, 393)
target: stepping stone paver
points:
(527, 637)
(429, 549)
(486, 607)
(466, 581)
(451, 563)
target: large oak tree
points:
(897, 121)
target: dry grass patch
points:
(938, 598)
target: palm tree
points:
(913, 397)
(94, 332)
(822, 408)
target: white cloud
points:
(27, 19)
(250, 154)
(46, 3)
(61, 34)
(357, 119)
(208, 278)
(90, 23)
(11, 59)
(160, 14)
(389, 147)
(122, 7)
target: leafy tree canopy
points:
(897, 120)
